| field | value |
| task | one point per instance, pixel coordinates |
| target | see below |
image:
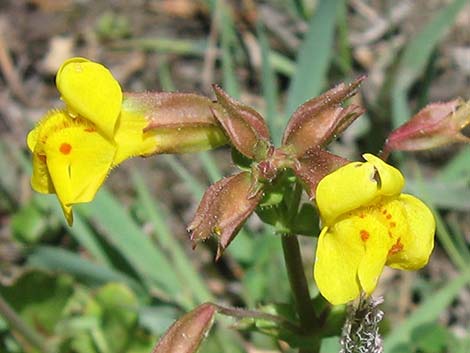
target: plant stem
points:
(16, 323)
(299, 287)
(298, 282)
(296, 274)
(254, 314)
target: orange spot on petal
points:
(89, 129)
(384, 211)
(42, 157)
(364, 234)
(65, 148)
(388, 216)
(396, 248)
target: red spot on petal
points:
(364, 234)
(89, 129)
(362, 215)
(396, 248)
(42, 157)
(65, 148)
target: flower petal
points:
(337, 260)
(356, 185)
(377, 243)
(32, 138)
(391, 179)
(41, 180)
(78, 161)
(418, 243)
(90, 90)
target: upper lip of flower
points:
(89, 90)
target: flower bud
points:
(435, 125)
(224, 208)
(187, 334)
(245, 127)
(319, 120)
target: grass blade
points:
(54, 259)
(314, 56)
(185, 268)
(429, 310)
(126, 236)
(269, 85)
(416, 56)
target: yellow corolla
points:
(367, 224)
(75, 148)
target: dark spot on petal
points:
(364, 234)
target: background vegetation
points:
(117, 279)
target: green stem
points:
(298, 282)
(296, 274)
(299, 287)
(254, 314)
(16, 323)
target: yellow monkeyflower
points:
(75, 148)
(367, 224)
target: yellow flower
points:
(367, 224)
(75, 148)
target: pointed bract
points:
(245, 127)
(316, 122)
(224, 208)
(187, 334)
(314, 165)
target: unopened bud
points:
(187, 334)
(435, 125)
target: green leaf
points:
(118, 308)
(39, 298)
(307, 221)
(240, 160)
(29, 224)
(314, 55)
(430, 337)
